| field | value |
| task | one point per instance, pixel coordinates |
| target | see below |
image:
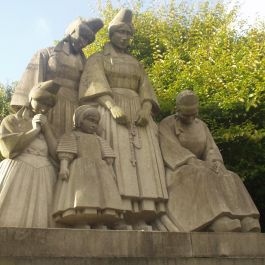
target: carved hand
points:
(36, 123)
(119, 115)
(143, 114)
(109, 160)
(64, 174)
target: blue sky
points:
(28, 25)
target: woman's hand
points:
(119, 115)
(143, 114)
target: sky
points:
(29, 25)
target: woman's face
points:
(89, 124)
(121, 38)
(40, 106)
(187, 118)
(79, 42)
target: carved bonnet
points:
(123, 18)
(187, 102)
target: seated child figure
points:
(86, 194)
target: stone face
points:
(19, 246)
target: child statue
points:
(27, 174)
(86, 195)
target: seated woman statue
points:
(27, 175)
(117, 82)
(63, 63)
(203, 194)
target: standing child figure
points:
(27, 174)
(86, 194)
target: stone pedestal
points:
(20, 246)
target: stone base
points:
(21, 246)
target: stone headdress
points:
(123, 18)
(187, 102)
(81, 112)
(84, 27)
(45, 90)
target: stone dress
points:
(138, 164)
(27, 177)
(58, 64)
(198, 195)
(90, 196)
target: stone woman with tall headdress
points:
(27, 174)
(118, 83)
(203, 194)
(64, 64)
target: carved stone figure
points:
(86, 194)
(27, 174)
(118, 83)
(203, 194)
(64, 64)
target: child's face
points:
(40, 106)
(89, 124)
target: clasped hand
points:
(38, 121)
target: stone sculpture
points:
(86, 194)
(64, 64)
(117, 82)
(203, 194)
(27, 174)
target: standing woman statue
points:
(203, 194)
(118, 83)
(27, 175)
(64, 64)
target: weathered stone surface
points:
(19, 246)
(228, 244)
(84, 243)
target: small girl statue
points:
(27, 174)
(87, 195)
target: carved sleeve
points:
(106, 150)
(67, 147)
(174, 154)
(146, 91)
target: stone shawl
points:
(95, 83)
(174, 154)
(65, 68)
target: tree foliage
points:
(222, 59)
(5, 97)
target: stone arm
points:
(50, 139)
(148, 100)
(94, 86)
(106, 151)
(12, 140)
(174, 154)
(67, 152)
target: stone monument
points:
(85, 160)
